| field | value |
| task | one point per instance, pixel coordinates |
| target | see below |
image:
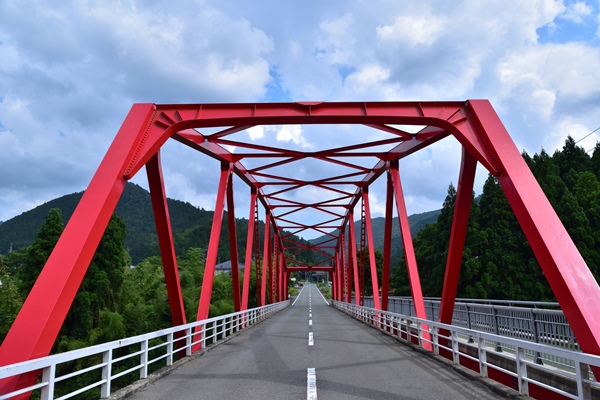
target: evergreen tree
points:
(101, 284)
(572, 157)
(595, 167)
(39, 251)
(10, 300)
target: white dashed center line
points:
(311, 384)
(311, 341)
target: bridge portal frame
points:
(147, 127)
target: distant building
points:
(225, 267)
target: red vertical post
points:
(409, 252)
(282, 276)
(349, 269)
(335, 285)
(342, 265)
(458, 233)
(371, 246)
(266, 258)
(387, 242)
(165, 239)
(249, 247)
(213, 248)
(233, 249)
(285, 286)
(353, 256)
(36, 327)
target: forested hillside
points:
(416, 222)
(498, 262)
(191, 225)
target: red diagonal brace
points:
(213, 248)
(233, 250)
(409, 253)
(371, 247)
(165, 239)
(35, 329)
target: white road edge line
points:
(311, 340)
(297, 297)
(324, 299)
(311, 384)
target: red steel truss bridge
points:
(211, 129)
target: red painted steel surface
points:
(165, 239)
(148, 126)
(458, 233)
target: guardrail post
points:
(496, 327)
(435, 338)
(469, 322)
(170, 348)
(144, 359)
(48, 375)
(188, 342)
(536, 336)
(455, 349)
(204, 332)
(483, 370)
(521, 371)
(106, 373)
(582, 373)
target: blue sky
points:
(70, 71)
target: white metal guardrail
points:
(538, 322)
(101, 365)
(479, 347)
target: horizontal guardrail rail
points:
(480, 351)
(535, 321)
(101, 365)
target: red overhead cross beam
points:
(148, 126)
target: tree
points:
(10, 299)
(39, 251)
(101, 284)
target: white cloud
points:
(256, 132)
(577, 12)
(71, 70)
(413, 29)
(293, 133)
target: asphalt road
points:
(345, 360)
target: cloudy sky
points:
(70, 71)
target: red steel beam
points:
(458, 233)
(213, 248)
(266, 258)
(387, 242)
(233, 248)
(249, 252)
(36, 327)
(165, 239)
(371, 248)
(569, 277)
(409, 253)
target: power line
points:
(594, 131)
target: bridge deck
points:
(350, 361)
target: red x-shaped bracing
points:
(147, 127)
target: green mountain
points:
(416, 222)
(191, 225)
